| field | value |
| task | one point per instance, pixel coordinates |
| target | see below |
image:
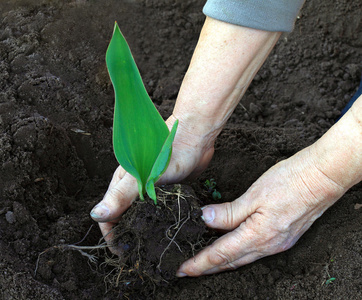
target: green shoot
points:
(216, 195)
(210, 184)
(330, 280)
(211, 188)
(142, 142)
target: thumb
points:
(228, 215)
(117, 199)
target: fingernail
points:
(180, 274)
(208, 214)
(100, 212)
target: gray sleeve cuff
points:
(269, 15)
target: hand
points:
(284, 202)
(269, 218)
(190, 156)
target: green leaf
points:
(161, 164)
(139, 132)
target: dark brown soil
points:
(56, 159)
(153, 240)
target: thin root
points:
(172, 240)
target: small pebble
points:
(10, 217)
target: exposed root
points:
(92, 258)
(176, 192)
(172, 240)
(201, 244)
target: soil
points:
(56, 158)
(153, 240)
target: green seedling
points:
(210, 184)
(330, 280)
(142, 142)
(216, 195)
(211, 188)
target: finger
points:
(117, 199)
(117, 176)
(229, 215)
(228, 252)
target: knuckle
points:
(276, 246)
(229, 215)
(221, 259)
(116, 194)
(284, 246)
(282, 226)
(274, 242)
(120, 172)
(117, 176)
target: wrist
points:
(333, 164)
(225, 61)
(199, 136)
(338, 153)
(316, 191)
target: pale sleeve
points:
(269, 15)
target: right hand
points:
(269, 218)
(190, 156)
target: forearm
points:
(226, 59)
(338, 153)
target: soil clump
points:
(153, 240)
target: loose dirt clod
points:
(154, 240)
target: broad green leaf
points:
(161, 163)
(139, 132)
